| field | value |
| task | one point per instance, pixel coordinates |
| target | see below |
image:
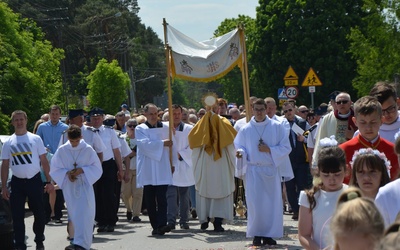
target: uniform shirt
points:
(51, 134)
(24, 151)
(110, 140)
(124, 149)
(90, 135)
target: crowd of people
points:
(335, 168)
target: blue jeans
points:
(192, 191)
(33, 190)
(173, 201)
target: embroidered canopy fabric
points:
(203, 61)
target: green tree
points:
(232, 84)
(178, 95)
(376, 46)
(107, 86)
(91, 30)
(30, 78)
(304, 34)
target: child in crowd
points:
(369, 171)
(76, 167)
(387, 199)
(368, 118)
(391, 238)
(357, 223)
(318, 204)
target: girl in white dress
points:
(318, 204)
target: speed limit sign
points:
(292, 92)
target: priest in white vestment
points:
(75, 167)
(154, 169)
(262, 146)
(213, 159)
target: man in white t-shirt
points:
(23, 152)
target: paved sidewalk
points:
(138, 236)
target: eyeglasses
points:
(389, 110)
(287, 110)
(342, 102)
(304, 111)
(259, 110)
(131, 126)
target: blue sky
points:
(196, 19)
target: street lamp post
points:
(133, 90)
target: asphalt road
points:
(138, 236)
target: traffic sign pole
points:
(311, 80)
(312, 100)
(311, 89)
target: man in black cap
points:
(89, 134)
(112, 172)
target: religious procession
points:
(333, 167)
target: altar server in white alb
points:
(76, 167)
(182, 177)
(262, 145)
(154, 171)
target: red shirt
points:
(381, 144)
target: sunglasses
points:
(132, 126)
(287, 110)
(304, 111)
(342, 102)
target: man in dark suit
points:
(298, 159)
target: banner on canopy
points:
(203, 61)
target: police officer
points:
(112, 172)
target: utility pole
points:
(60, 45)
(105, 31)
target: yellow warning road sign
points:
(291, 78)
(311, 79)
(290, 74)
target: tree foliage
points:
(107, 86)
(376, 46)
(232, 84)
(29, 68)
(178, 96)
(304, 34)
(91, 30)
